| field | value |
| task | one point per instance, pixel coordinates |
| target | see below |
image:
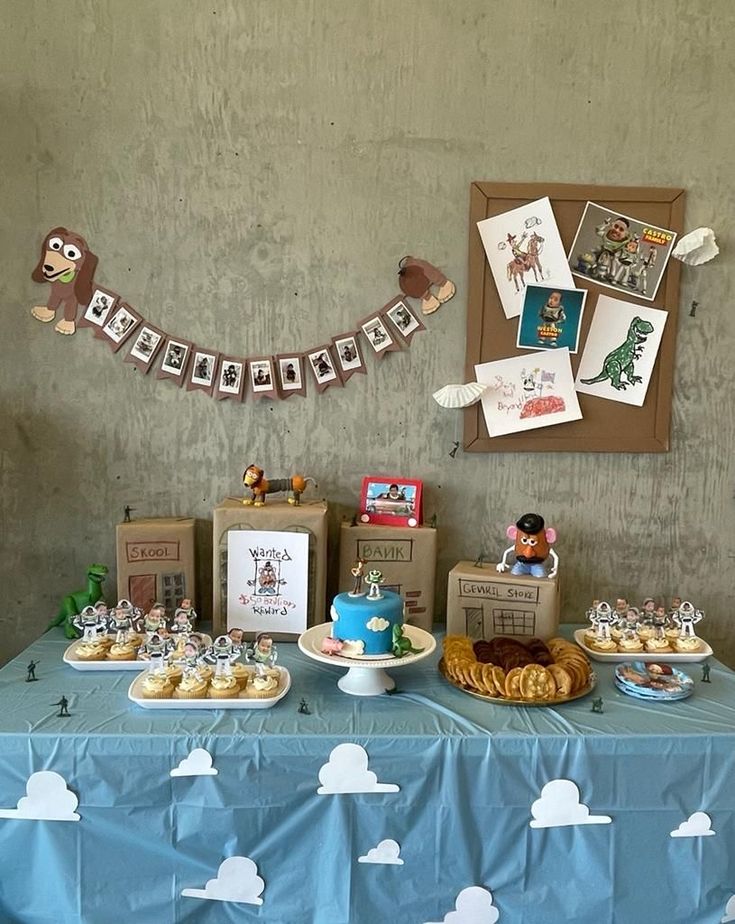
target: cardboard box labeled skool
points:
(483, 603)
(308, 517)
(155, 561)
(407, 558)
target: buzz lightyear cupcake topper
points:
(532, 547)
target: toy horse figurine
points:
(259, 486)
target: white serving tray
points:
(79, 665)
(135, 695)
(619, 656)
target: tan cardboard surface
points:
(407, 558)
(483, 603)
(279, 516)
(156, 561)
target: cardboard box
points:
(276, 516)
(405, 555)
(483, 603)
(155, 562)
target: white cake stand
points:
(366, 678)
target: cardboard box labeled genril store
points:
(483, 603)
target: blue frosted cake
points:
(363, 623)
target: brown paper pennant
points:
(121, 323)
(403, 319)
(231, 378)
(322, 364)
(348, 351)
(146, 345)
(174, 360)
(375, 330)
(262, 378)
(98, 310)
(202, 374)
(290, 373)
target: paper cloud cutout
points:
(237, 880)
(347, 771)
(697, 247)
(198, 763)
(473, 906)
(697, 825)
(729, 911)
(559, 806)
(387, 852)
(48, 799)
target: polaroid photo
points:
(349, 354)
(146, 345)
(98, 309)
(528, 392)
(175, 357)
(524, 246)
(231, 378)
(262, 380)
(323, 367)
(203, 370)
(378, 335)
(290, 369)
(620, 351)
(120, 325)
(404, 320)
(551, 317)
(620, 252)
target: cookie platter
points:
(138, 664)
(619, 657)
(512, 701)
(135, 695)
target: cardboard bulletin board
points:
(607, 426)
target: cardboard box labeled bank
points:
(483, 603)
(275, 516)
(155, 562)
(407, 558)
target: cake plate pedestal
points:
(366, 677)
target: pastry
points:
(687, 645)
(174, 672)
(604, 644)
(156, 685)
(241, 674)
(658, 646)
(91, 651)
(223, 686)
(262, 687)
(124, 651)
(191, 686)
(631, 645)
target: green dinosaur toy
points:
(401, 644)
(73, 603)
(620, 360)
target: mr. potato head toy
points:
(532, 547)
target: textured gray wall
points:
(249, 174)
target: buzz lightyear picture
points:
(620, 252)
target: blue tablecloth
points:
(468, 773)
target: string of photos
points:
(67, 264)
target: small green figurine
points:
(63, 712)
(597, 705)
(73, 603)
(31, 669)
(705, 674)
(401, 644)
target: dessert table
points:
(467, 772)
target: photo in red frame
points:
(391, 501)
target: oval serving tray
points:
(242, 702)
(617, 657)
(505, 701)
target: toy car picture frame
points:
(391, 501)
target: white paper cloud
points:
(237, 880)
(473, 906)
(729, 911)
(377, 624)
(347, 771)
(559, 806)
(697, 247)
(697, 825)
(198, 763)
(48, 799)
(387, 852)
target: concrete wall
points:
(249, 174)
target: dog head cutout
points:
(68, 265)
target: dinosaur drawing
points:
(619, 362)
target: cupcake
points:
(174, 672)
(687, 645)
(206, 671)
(672, 632)
(262, 686)
(124, 651)
(156, 686)
(658, 646)
(91, 651)
(645, 632)
(241, 674)
(191, 686)
(604, 644)
(224, 686)
(633, 644)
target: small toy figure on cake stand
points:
(357, 572)
(262, 651)
(374, 578)
(532, 547)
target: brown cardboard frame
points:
(607, 426)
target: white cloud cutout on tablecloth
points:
(697, 825)
(346, 771)
(48, 799)
(559, 806)
(729, 914)
(473, 906)
(198, 763)
(237, 880)
(387, 852)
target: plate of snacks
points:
(642, 648)
(249, 689)
(653, 681)
(105, 653)
(506, 671)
